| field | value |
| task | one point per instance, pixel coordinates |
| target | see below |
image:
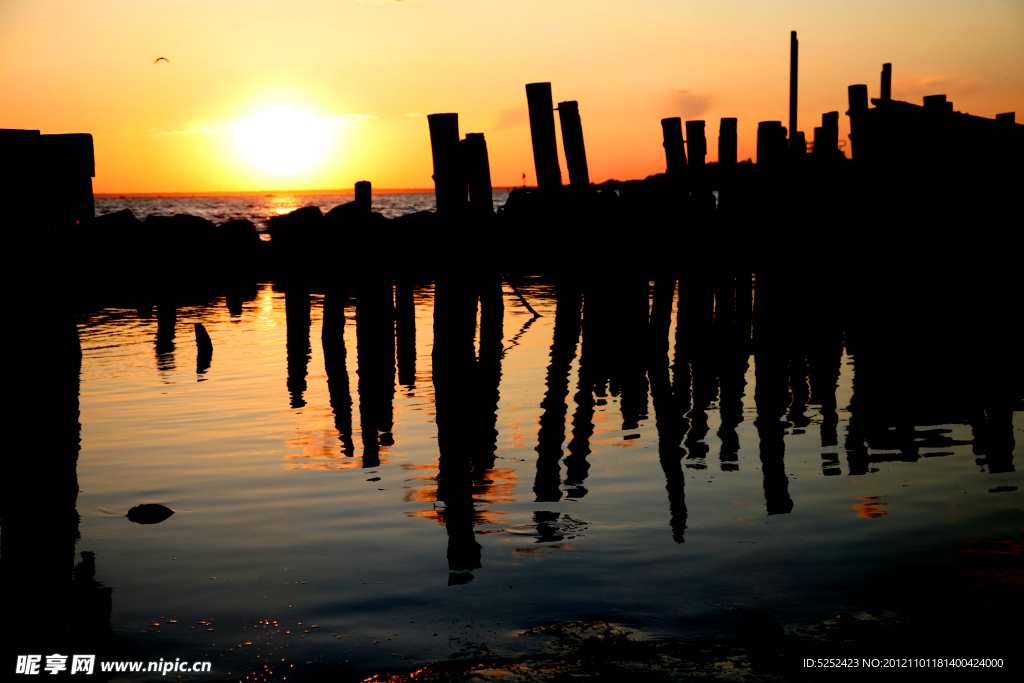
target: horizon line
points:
(244, 193)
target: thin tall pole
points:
(794, 49)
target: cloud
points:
(416, 113)
(358, 117)
(688, 104)
(914, 88)
(512, 117)
(194, 128)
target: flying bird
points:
(163, 58)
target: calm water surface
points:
(289, 548)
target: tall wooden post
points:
(542, 131)
(477, 168)
(794, 49)
(886, 82)
(449, 186)
(572, 143)
(675, 151)
(727, 141)
(858, 95)
(696, 143)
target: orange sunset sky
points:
(317, 95)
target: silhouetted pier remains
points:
(839, 235)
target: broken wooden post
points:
(768, 135)
(937, 103)
(826, 138)
(675, 151)
(886, 82)
(727, 141)
(363, 196)
(68, 166)
(542, 131)
(449, 188)
(477, 169)
(794, 48)
(572, 143)
(858, 96)
(696, 143)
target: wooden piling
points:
(572, 143)
(768, 135)
(826, 138)
(675, 150)
(886, 82)
(449, 186)
(364, 196)
(727, 141)
(696, 143)
(794, 48)
(858, 99)
(68, 164)
(542, 132)
(1008, 117)
(477, 169)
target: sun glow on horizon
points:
(283, 140)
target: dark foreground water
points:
(670, 494)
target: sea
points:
(261, 207)
(670, 500)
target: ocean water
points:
(667, 499)
(260, 209)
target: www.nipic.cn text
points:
(31, 665)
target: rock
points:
(149, 513)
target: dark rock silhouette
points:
(149, 513)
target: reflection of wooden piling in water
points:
(204, 347)
(297, 346)
(449, 185)
(477, 169)
(667, 419)
(675, 150)
(794, 50)
(492, 315)
(576, 465)
(572, 143)
(456, 402)
(375, 356)
(727, 142)
(166, 321)
(405, 332)
(339, 394)
(771, 390)
(542, 132)
(552, 421)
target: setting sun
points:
(283, 140)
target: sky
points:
(303, 95)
